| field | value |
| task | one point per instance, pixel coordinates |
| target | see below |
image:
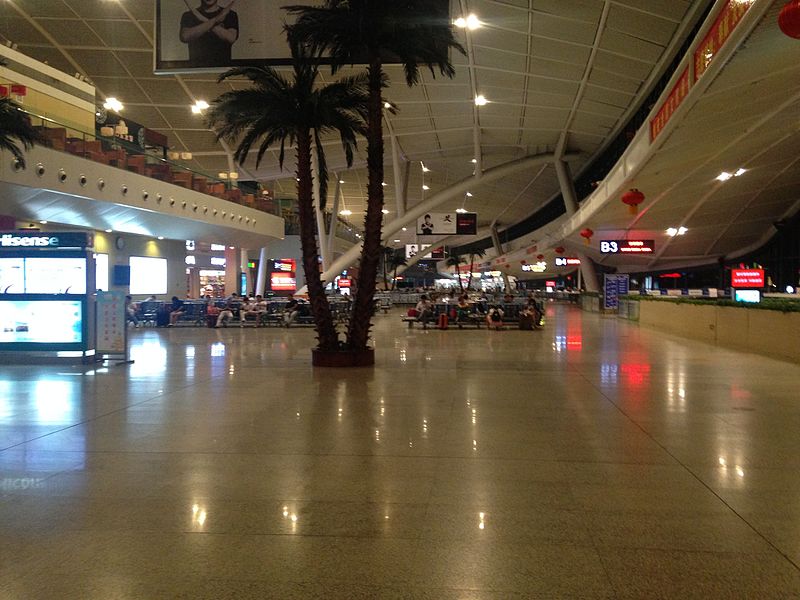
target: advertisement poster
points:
(448, 224)
(244, 32)
(41, 321)
(111, 323)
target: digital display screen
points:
(148, 275)
(747, 296)
(283, 282)
(747, 278)
(12, 275)
(41, 321)
(34, 275)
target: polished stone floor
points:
(592, 459)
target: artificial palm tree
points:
(473, 254)
(16, 130)
(456, 260)
(418, 34)
(397, 261)
(278, 110)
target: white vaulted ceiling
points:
(570, 70)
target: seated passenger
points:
(176, 311)
(424, 309)
(131, 308)
(290, 310)
(462, 310)
(494, 318)
(226, 314)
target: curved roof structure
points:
(561, 79)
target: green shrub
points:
(779, 304)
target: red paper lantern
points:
(560, 250)
(789, 19)
(587, 234)
(539, 256)
(633, 198)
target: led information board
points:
(747, 278)
(627, 246)
(563, 261)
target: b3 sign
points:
(627, 246)
(747, 278)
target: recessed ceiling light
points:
(396, 241)
(474, 160)
(384, 184)
(469, 194)
(480, 100)
(426, 187)
(345, 213)
(109, 230)
(387, 105)
(161, 237)
(199, 106)
(470, 22)
(43, 222)
(385, 211)
(341, 181)
(724, 176)
(740, 172)
(405, 228)
(461, 210)
(673, 231)
(424, 168)
(113, 104)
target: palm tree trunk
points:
(321, 310)
(363, 306)
(471, 269)
(458, 276)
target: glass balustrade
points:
(120, 152)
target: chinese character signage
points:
(747, 278)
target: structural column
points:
(498, 248)
(231, 270)
(571, 204)
(261, 278)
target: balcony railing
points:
(123, 154)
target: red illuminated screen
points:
(550, 284)
(627, 246)
(747, 278)
(283, 282)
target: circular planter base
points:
(339, 358)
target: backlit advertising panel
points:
(747, 278)
(283, 277)
(45, 275)
(448, 224)
(41, 322)
(246, 32)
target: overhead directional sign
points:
(627, 246)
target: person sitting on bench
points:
(424, 310)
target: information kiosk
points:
(46, 282)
